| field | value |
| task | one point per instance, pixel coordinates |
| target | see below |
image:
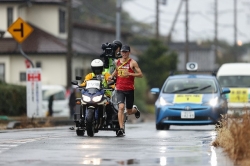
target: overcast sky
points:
(201, 18)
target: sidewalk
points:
(24, 122)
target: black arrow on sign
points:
(21, 30)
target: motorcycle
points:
(91, 112)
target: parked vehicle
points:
(189, 99)
(60, 102)
(236, 76)
(91, 109)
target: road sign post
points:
(20, 30)
(34, 93)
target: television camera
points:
(109, 52)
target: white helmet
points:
(97, 66)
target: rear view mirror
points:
(74, 82)
(78, 78)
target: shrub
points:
(233, 136)
(12, 99)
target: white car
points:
(60, 103)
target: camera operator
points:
(111, 52)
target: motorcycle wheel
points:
(90, 127)
(80, 132)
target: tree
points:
(141, 88)
(95, 12)
(157, 62)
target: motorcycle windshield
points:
(92, 90)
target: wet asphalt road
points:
(142, 145)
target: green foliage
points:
(12, 99)
(104, 14)
(157, 62)
(140, 93)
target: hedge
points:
(12, 99)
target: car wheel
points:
(159, 126)
(167, 127)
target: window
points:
(2, 72)
(79, 72)
(9, 16)
(39, 64)
(62, 23)
(23, 76)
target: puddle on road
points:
(161, 161)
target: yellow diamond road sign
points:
(20, 30)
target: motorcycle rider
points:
(97, 71)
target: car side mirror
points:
(155, 91)
(225, 90)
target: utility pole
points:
(157, 20)
(187, 40)
(216, 28)
(235, 32)
(118, 19)
(69, 45)
(169, 37)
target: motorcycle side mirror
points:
(74, 82)
(78, 78)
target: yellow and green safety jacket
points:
(104, 81)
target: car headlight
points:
(164, 102)
(97, 98)
(214, 102)
(85, 98)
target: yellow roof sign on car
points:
(20, 30)
(188, 98)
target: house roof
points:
(38, 42)
(41, 42)
(60, 2)
(34, 1)
(99, 27)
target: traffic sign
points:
(34, 92)
(20, 30)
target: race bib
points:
(188, 98)
(123, 72)
(93, 84)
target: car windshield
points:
(234, 81)
(190, 86)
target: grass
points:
(233, 135)
(25, 122)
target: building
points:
(203, 55)
(46, 46)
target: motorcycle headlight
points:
(97, 98)
(214, 102)
(164, 102)
(85, 98)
